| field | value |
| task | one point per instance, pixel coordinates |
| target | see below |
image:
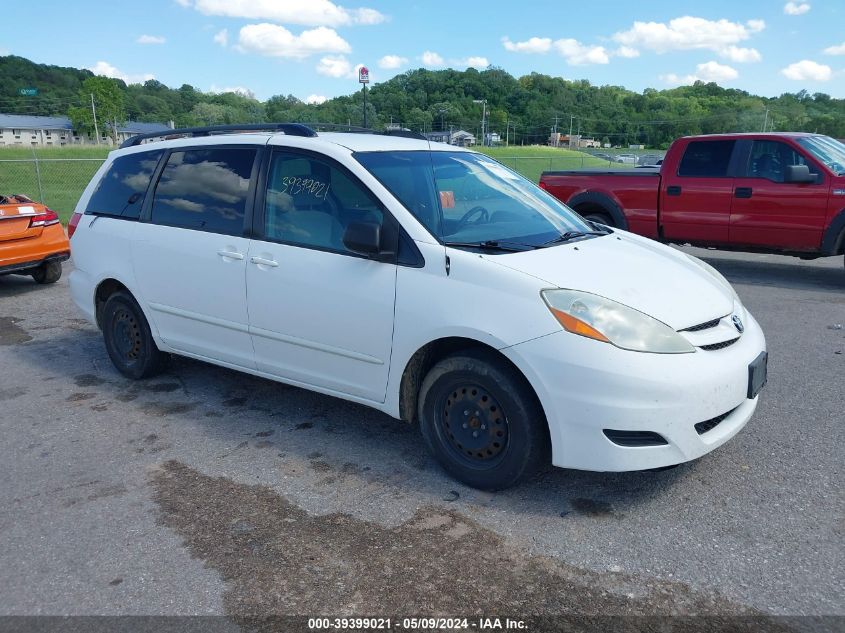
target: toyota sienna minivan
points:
(424, 280)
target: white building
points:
(45, 131)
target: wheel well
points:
(426, 357)
(105, 290)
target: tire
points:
(48, 273)
(128, 339)
(597, 217)
(492, 400)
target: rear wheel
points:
(482, 421)
(48, 273)
(129, 343)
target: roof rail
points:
(404, 134)
(291, 129)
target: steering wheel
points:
(481, 212)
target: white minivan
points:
(424, 280)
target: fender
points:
(833, 240)
(605, 202)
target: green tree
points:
(109, 104)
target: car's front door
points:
(319, 314)
(767, 210)
(190, 254)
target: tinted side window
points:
(310, 202)
(706, 159)
(205, 190)
(768, 159)
(121, 191)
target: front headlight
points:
(604, 320)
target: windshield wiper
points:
(570, 235)
(494, 245)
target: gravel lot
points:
(205, 491)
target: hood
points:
(642, 274)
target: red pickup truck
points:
(781, 193)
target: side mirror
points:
(363, 238)
(798, 174)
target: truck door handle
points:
(742, 192)
(674, 190)
(230, 255)
(260, 261)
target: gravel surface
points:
(206, 491)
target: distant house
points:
(438, 137)
(46, 131)
(462, 138)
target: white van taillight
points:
(44, 219)
(74, 222)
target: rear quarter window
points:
(121, 191)
(706, 159)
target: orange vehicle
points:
(32, 240)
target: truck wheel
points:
(597, 217)
(129, 343)
(48, 273)
(482, 421)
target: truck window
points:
(205, 190)
(121, 191)
(768, 159)
(706, 159)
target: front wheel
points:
(128, 339)
(482, 421)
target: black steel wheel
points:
(482, 421)
(128, 340)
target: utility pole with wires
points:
(766, 120)
(571, 121)
(94, 113)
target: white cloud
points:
(222, 37)
(304, 12)
(107, 70)
(392, 61)
(151, 39)
(796, 8)
(741, 55)
(531, 45)
(690, 33)
(626, 51)
(835, 50)
(708, 71)
(578, 54)
(432, 59)
(273, 40)
(339, 68)
(807, 70)
(315, 99)
(238, 90)
(472, 62)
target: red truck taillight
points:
(74, 222)
(44, 219)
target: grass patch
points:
(533, 160)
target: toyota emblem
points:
(738, 324)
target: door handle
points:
(742, 192)
(260, 261)
(674, 190)
(230, 255)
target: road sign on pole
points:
(28, 92)
(363, 75)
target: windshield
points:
(827, 151)
(470, 198)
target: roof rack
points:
(291, 129)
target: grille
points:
(722, 345)
(708, 425)
(702, 326)
(635, 438)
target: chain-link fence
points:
(56, 182)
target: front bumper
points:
(586, 387)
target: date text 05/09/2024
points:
(425, 623)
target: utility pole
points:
(571, 121)
(766, 120)
(94, 112)
(483, 103)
